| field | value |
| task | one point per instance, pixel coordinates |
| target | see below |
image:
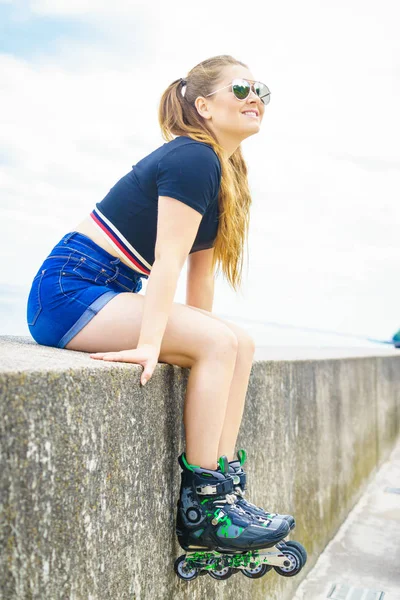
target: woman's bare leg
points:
(191, 339)
(238, 388)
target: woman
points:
(189, 199)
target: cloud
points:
(27, 35)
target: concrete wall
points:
(89, 477)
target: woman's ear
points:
(202, 107)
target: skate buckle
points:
(236, 479)
(221, 516)
(206, 489)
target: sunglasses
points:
(241, 89)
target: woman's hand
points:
(145, 355)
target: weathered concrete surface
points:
(365, 553)
(89, 477)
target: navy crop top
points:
(184, 169)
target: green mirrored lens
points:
(241, 88)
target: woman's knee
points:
(245, 343)
(241, 341)
(221, 341)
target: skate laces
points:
(242, 500)
(232, 500)
(229, 499)
(240, 492)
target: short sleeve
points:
(190, 173)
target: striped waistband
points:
(121, 245)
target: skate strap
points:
(219, 488)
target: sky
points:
(79, 91)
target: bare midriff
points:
(88, 228)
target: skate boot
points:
(219, 536)
(207, 499)
(236, 469)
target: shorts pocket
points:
(34, 307)
(86, 269)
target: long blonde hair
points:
(177, 115)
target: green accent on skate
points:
(203, 559)
(213, 560)
(245, 560)
(228, 530)
(187, 464)
(242, 456)
(203, 501)
(223, 464)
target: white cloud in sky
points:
(324, 170)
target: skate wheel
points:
(184, 572)
(295, 559)
(300, 548)
(256, 572)
(224, 573)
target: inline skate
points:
(221, 538)
(239, 479)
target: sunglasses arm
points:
(215, 91)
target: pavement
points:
(362, 562)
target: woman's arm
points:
(200, 280)
(177, 226)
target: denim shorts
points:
(75, 281)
